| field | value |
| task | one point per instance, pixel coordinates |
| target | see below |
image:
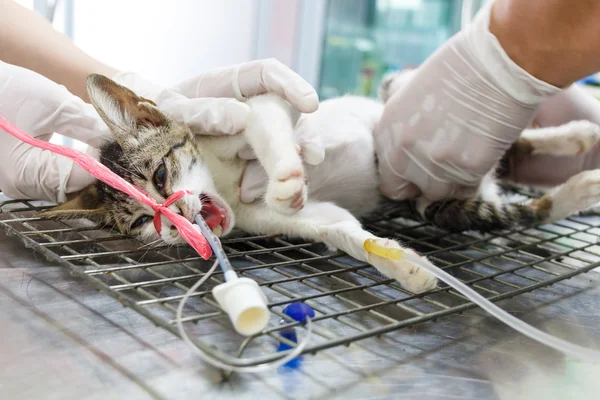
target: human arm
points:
(29, 41)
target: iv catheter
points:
(563, 346)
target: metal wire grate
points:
(351, 299)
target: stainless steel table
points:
(63, 340)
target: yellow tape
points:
(385, 252)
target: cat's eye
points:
(141, 221)
(160, 176)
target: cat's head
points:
(157, 155)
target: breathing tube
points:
(242, 300)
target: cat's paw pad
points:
(287, 193)
(409, 275)
(422, 281)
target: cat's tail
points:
(456, 215)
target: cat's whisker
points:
(149, 244)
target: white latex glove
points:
(41, 107)
(454, 120)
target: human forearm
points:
(554, 40)
(29, 41)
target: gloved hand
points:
(41, 107)
(572, 104)
(454, 120)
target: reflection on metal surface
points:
(351, 300)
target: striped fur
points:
(457, 215)
(483, 215)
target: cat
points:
(318, 202)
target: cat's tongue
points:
(212, 214)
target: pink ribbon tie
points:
(160, 208)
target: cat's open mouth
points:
(215, 214)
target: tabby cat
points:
(317, 202)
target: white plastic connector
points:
(245, 303)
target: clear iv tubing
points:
(228, 274)
(570, 349)
(560, 345)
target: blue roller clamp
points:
(298, 312)
(590, 80)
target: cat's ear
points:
(126, 114)
(86, 204)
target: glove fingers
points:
(254, 183)
(251, 79)
(208, 116)
(264, 76)
(207, 112)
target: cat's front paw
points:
(287, 193)
(411, 276)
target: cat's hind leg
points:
(573, 138)
(270, 133)
(579, 193)
(338, 229)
